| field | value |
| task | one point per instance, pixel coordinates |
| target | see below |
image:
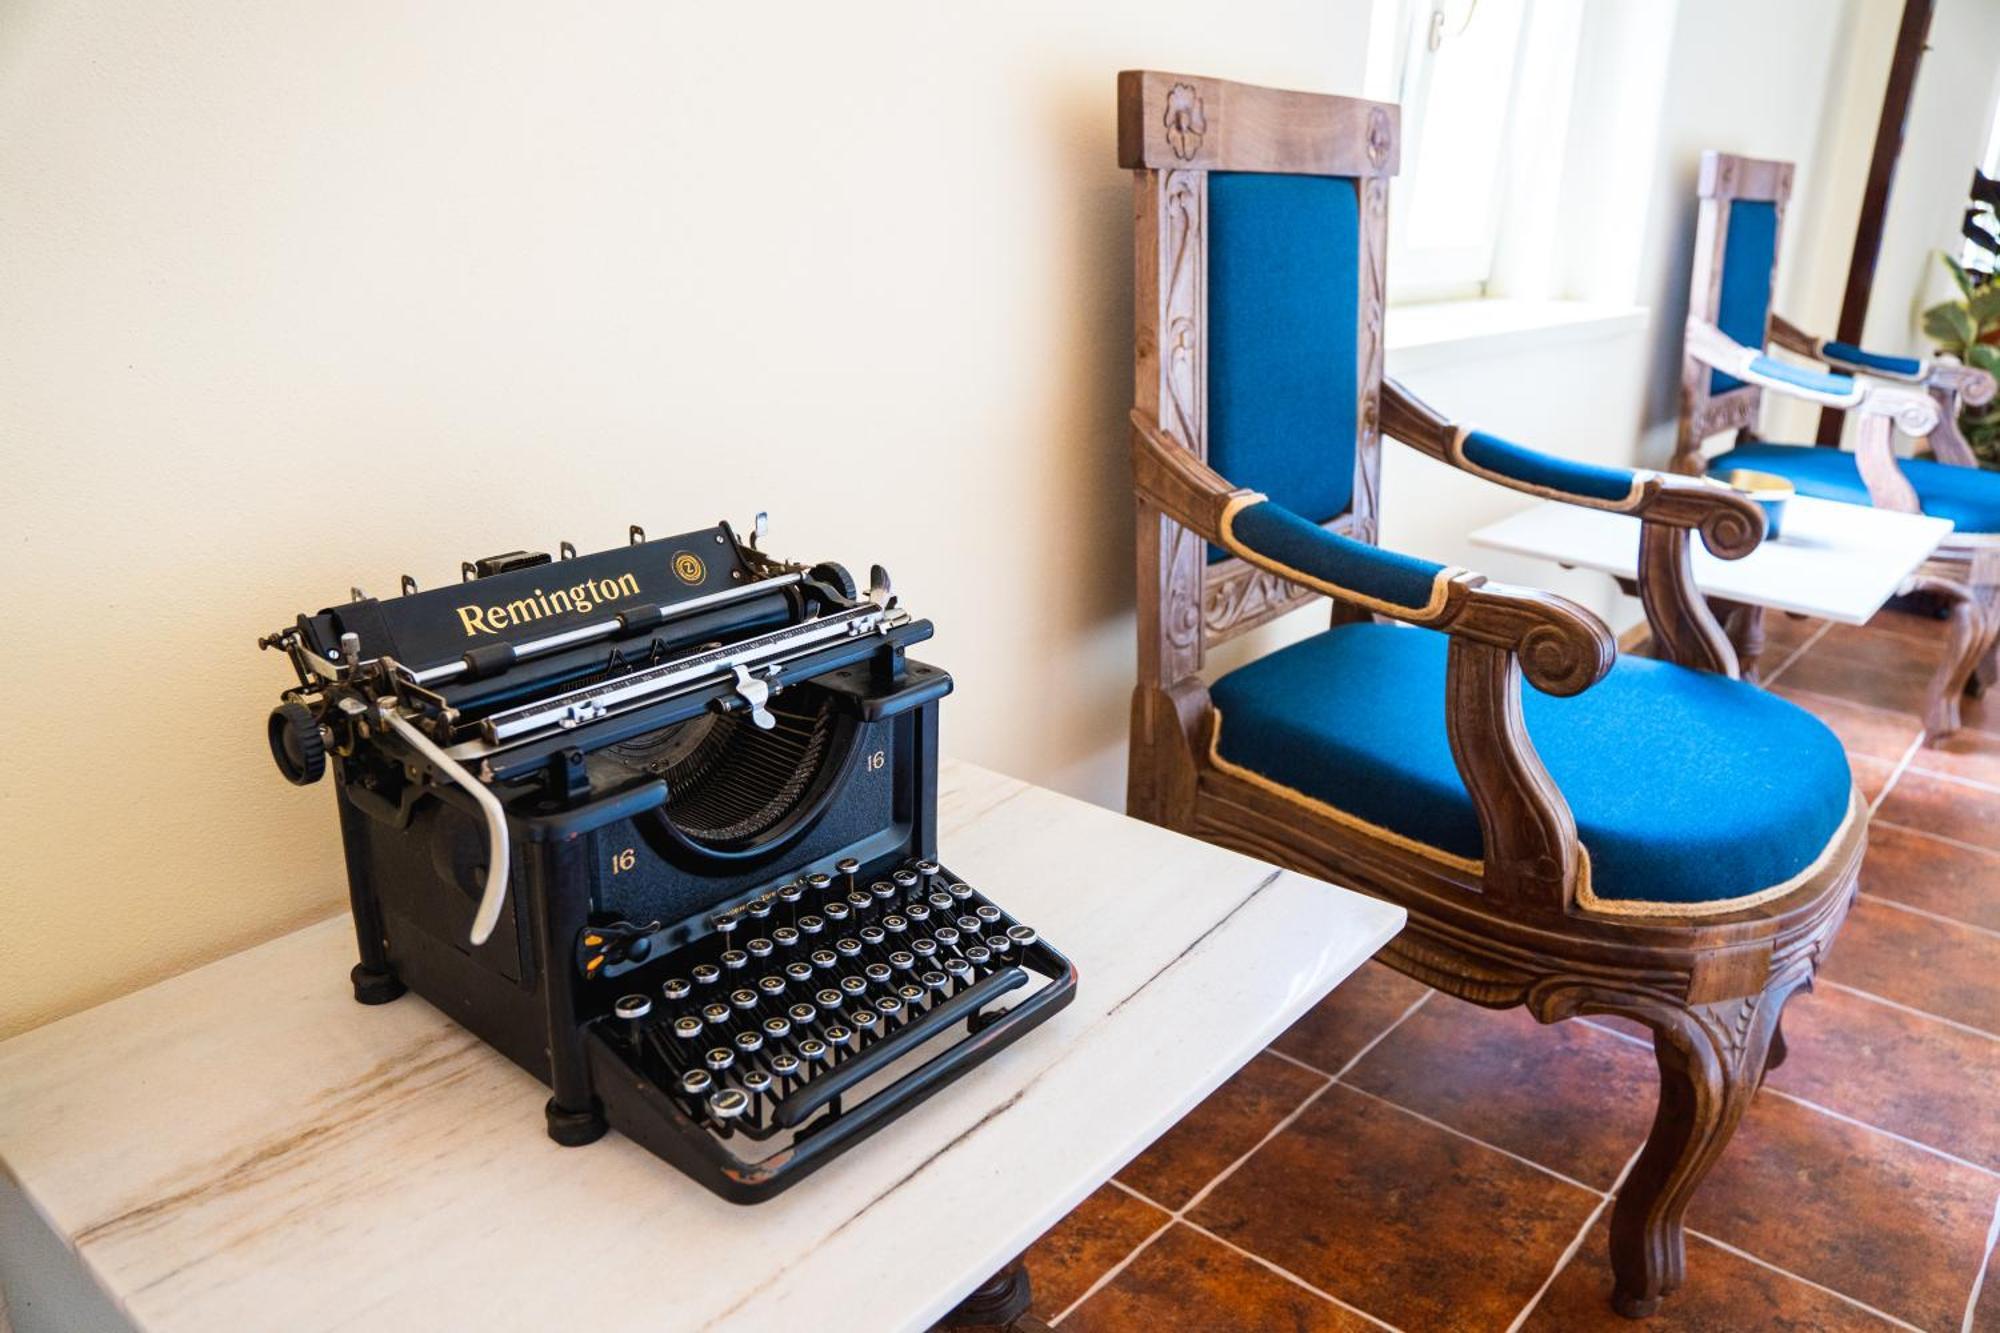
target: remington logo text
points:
(539, 605)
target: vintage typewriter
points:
(659, 823)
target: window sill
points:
(1442, 333)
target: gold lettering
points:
(629, 585)
(580, 595)
(474, 619)
(521, 612)
(559, 601)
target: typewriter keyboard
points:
(804, 993)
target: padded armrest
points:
(1846, 356)
(1523, 469)
(1268, 534)
(1717, 350)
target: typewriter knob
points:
(296, 744)
(838, 577)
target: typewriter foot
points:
(1000, 1302)
(373, 987)
(573, 1129)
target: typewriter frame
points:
(522, 988)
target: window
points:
(1484, 86)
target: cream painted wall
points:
(299, 296)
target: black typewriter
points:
(660, 824)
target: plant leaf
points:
(1951, 324)
(1984, 307)
(1958, 274)
(1985, 357)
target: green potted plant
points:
(1969, 327)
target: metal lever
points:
(494, 896)
(755, 694)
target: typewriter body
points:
(659, 823)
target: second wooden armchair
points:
(1654, 839)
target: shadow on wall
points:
(1670, 312)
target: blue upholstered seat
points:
(1969, 497)
(1687, 787)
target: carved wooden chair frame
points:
(1519, 926)
(1965, 571)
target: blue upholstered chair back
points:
(1283, 298)
(1743, 309)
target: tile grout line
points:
(1940, 837)
(1974, 783)
(1859, 1123)
(1576, 1242)
(1841, 1296)
(1895, 775)
(1909, 1009)
(1491, 1147)
(1179, 1214)
(1288, 1275)
(1104, 1279)
(1938, 917)
(1985, 1270)
(1766, 682)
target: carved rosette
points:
(1181, 617)
(1186, 121)
(1380, 137)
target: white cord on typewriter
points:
(494, 896)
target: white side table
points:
(243, 1146)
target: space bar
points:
(803, 1102)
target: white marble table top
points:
(1837, 561)
(244, 1147)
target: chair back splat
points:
(1740, 222)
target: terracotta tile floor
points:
(1399, 1159)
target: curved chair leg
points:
(1969, 643)
(1712, 1057)
(1778, 1050)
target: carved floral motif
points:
(1186, 121)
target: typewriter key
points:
(719, 1058)
(873, 935)
(716, 1013)
(676, 988)
(757, 1081)
(961, 891)
(847, 867)
(912, 993)
(829, 999)
(786, 936)
(759, 947)
(987, 912)
(818, 882)
(895, 924)
(706, 974)
(836, 910)
(771, 985)
(839, 1038)
(824, 958)
(687, 1027)
(853, 985)
(632, 1007)
(802, 1012)
(902, 960)
(847, 948)
(877, 972)
(749, 1042)
(924, 948)
(859, 900)
(792, 892)
(978, 955)
(957, 967)
(798, 971)
(969, 925)
(918, 912)
(947, 936)
(734, 958)
(906, 880)
(726, 922)
(999, 945)
(743, 999)
(941, 900)
(778, 1028)
(882, 889)
(813, 1049)
(1022, 935)
(728, 1104)
(889, 1007)
(697, 1081)
(784, 1064)
(865, 1021)
(927, 871)
(811, 924)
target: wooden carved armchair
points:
(1725, 374)
(1648, 838)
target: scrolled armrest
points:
(1563, 648)
(1912, 411)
